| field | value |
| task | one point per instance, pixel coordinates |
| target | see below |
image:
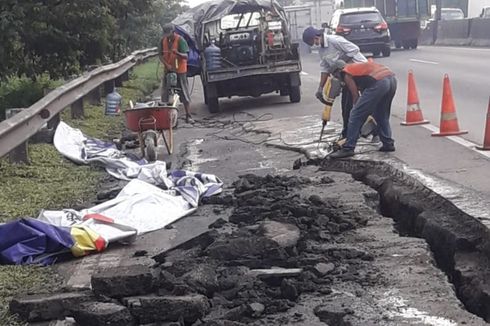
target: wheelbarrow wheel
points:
(150, 150)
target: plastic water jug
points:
(113, 103)
(212, 55)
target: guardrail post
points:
(93, 98)
(53, 123)
(20, 153)
(77, 109)
(109, 86)
(125, 76)
(119, 81)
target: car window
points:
(487, 13)
(452, 14)
(359, 18)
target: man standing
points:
(173, 50)
(377, 84)
(331, 48)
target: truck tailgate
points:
(280, 67)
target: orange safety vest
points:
(372, 69)
(178, 64)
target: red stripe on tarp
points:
(98, 217)
(100, 244)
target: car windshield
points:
(452, 14)
(240, 20)
(359, 18)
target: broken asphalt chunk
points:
(44, 307)
(123, 281)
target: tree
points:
(62, 37)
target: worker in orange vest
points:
(372, 87)
(173, 50)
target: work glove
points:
(319, 94)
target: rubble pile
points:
(277, 246)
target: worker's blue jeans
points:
(375, 101)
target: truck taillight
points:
(381, 27)
(342, 30)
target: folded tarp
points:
(139, 208)
(76, 146)
(29, 241)
(153, 199)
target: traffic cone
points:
(414, 114)
(486, 141)
(449, 122)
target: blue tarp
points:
(193, 61)
(29, 241)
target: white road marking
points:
(304, 73)
(424, 61)
(457, 48)
(459, 140)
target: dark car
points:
(364, 27)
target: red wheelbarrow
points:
(149, 122)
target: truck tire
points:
(213, 104)
(295, 94)
(386, 51)
(414, 43)
(376, 53)
(406, 44)
(211, 97)
(205, 95)
(398, 44)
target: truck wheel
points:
(213, 104)
(205, 95)
(386, 51)
(414, 43)
(376, 53)
(406, 45)
(295, 94)
(398, 44)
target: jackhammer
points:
(332, 90)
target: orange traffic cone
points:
(449, 122)
(486, 141)
(414, 114)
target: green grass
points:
(52, 182)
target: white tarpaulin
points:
(138, 208)
(153, 199)
(81, 149)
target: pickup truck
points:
(252, 52)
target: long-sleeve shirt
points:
(336, 47)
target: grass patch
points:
(24, 279)
(53, 182)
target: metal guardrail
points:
(19, 128)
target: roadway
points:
(469, 73)
(468, 70)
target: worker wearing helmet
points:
(377, 85)
(173, 50)
(331, 48)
